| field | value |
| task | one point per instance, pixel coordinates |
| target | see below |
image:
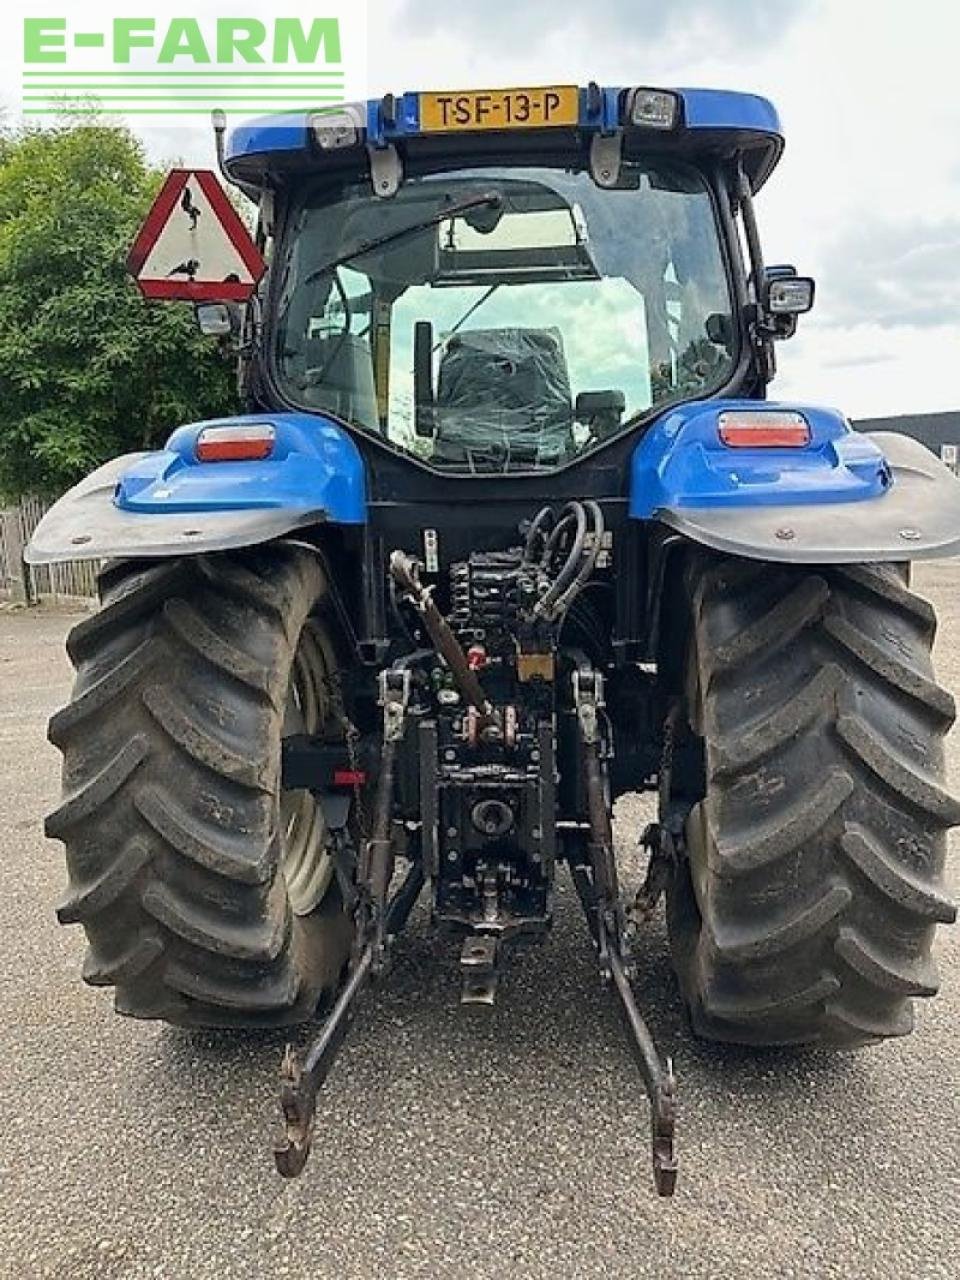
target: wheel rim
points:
(305, 837)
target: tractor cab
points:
(506, 281)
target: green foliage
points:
(88, 369)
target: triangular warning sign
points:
(193, 245)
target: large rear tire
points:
(805, 910)
(206, 893)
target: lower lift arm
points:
(377, 920)
(598, 889)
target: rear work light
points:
(236, 443)
(792, 296)
(759, 429)
(653, 108)
(335, 130)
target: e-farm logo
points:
(182, 66)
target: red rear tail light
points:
(349, 777)
(236, 443)
(763, 429)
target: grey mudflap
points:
(86, 525)
(918, 518)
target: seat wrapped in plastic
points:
(504, 396)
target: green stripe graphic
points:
(235, 72)
(181, 97)
(161, 111)
(175, 91)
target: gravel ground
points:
(466, 1142)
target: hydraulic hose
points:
(574, 511)
(589, 561)
(537, 530)
(580, 562)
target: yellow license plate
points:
(452, 112)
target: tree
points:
(88, 369)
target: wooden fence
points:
(30, 583)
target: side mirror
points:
(217, 319)
(719, 329)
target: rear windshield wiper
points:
(492, 199)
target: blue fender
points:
(170, 503)
(845, 497)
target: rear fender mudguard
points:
(847, 497)
(168, 503)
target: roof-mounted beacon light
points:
(653, 108)
(218, 118)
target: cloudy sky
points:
(867, 197)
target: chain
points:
(660, 840)
(351, 737)
(665, 780)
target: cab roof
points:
(267, 150)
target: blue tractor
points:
(509, 528)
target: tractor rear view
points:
(510, 528)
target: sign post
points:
(193, 245)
